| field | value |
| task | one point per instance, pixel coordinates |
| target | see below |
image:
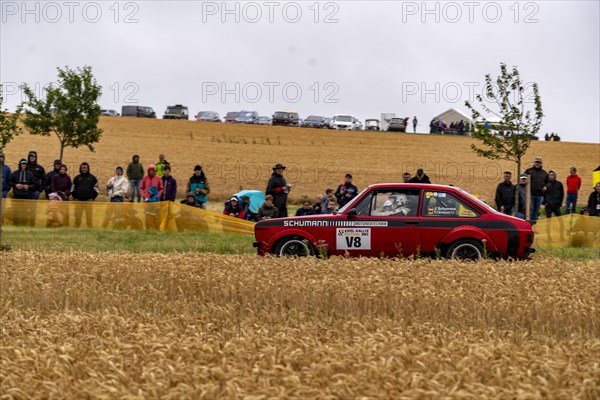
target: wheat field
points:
(241, 156)
(202, 326)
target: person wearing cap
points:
(6, 172)
(151, 179)
(160, 165)
(538, 180)
(522, 188)
(61, 182)
(39, 174)
(85, 188)
(169, 184)
(135, 174)
(553, 195)
(421, 177)
(505, 195)
(233, 209)
(198, 184)
(278, 188)
(117, 187)
(49, 176)
(346, 191)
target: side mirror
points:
(351, 214)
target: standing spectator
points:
(406, 177)
(234, 209)
(505, 195)
(61, 182)
(346, 191)
(198, 184)
(22, 182)
(150, 180)
(306, 209)
(39, 174)
(553, 195)
(522, 188)
(415, 123)
(421, 177)
(594, 201)
(268, 209)
(6, 173)
(135, 174)
(85, 188)
(538, 181)
(49, 176)
(278, 188)
(546, 137)
(573, 186)
(169, 184)
(331, 205)
(324, 199)
(432, 126)
(160, 165)
(117, 187)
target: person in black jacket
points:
(505, 195)
(594, 201)
(305, 210)
(22, 183)
(346, 191)
(538, 181)
(39, 174)
(85, 188)
(279, 189)
(421, 177)
(553, 195)
(49, 176)
(521, 188)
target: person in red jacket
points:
(151, 180)
(573, 185)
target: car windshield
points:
(202, 113)
(314, 118)
(350, 204)
(174, 110)
(246, 115)
(343, 118)
(397, 120)
(232, 114)
(478, 201)
(282, 115)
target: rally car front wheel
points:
(465, 249)
(294, 247)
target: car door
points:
(381, 226)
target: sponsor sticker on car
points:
(353, 238)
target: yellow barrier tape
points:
(571, 230)
(163, 216)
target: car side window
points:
(441, 204)
(395, 203)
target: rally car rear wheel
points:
(294, 247)
(465, 249)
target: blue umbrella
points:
(257, 198)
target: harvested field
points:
(195, 326)
(241, 156)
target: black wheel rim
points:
(295, 248)
(467, 252)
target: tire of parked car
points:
(294, 246)
(465, 249)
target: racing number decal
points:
(353, 238)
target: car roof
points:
(414, 186)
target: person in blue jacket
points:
(5, 176)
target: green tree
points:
(9, 128)
(70, 109)
(506, 98)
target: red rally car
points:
(394, 219)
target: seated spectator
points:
(234, 209)
(190, 200)
(61, 182)
(306, 209)
(331, 206)
(55, 216)
(268, 210)
(324, 198)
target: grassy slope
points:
(237, 156)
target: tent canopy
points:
(453, 115)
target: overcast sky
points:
(358, 57)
